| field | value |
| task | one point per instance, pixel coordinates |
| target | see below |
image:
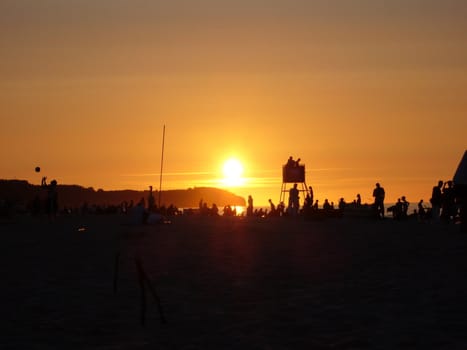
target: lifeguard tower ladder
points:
(293, 174)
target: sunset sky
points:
(363, 91)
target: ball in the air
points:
(38, 169)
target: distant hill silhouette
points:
(22, 192)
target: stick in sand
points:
(143, 277)
(157, 299)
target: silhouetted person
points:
(359, 200)
(151, 201)
(249, 209)
(379, 195)
(308, 203)
(405, 207)
(396, 210)
(294, 200)
(310, 190)
(326, 205)
(214, 210)
(290, 162)
(341, 204)
(436, 200)
(281, 209)
(204, 209)
(52, 200)
(297, 163)
(229, 211)
(272, 211)
(421, 210)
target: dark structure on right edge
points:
(460, 188)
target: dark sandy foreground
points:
(233, 283)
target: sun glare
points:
(233, 170)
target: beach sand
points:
(233, 283)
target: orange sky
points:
(362, 91)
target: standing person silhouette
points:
(379, 195)
(272, 211)
(51, 204)
(436, 200)
(421, 210)
(294, 200)
(312, 197)
(151, 201)
(405, 207)
(249, 209)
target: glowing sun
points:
(233, 170)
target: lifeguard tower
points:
(293, 174)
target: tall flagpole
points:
(162, 163)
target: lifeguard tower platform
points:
(293, 174)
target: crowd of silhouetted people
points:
(446, 206)
(445, 203)
(46, 202)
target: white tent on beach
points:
(460, 177)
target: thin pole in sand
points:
(162, 163)
(144, 280)
(156, 298)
